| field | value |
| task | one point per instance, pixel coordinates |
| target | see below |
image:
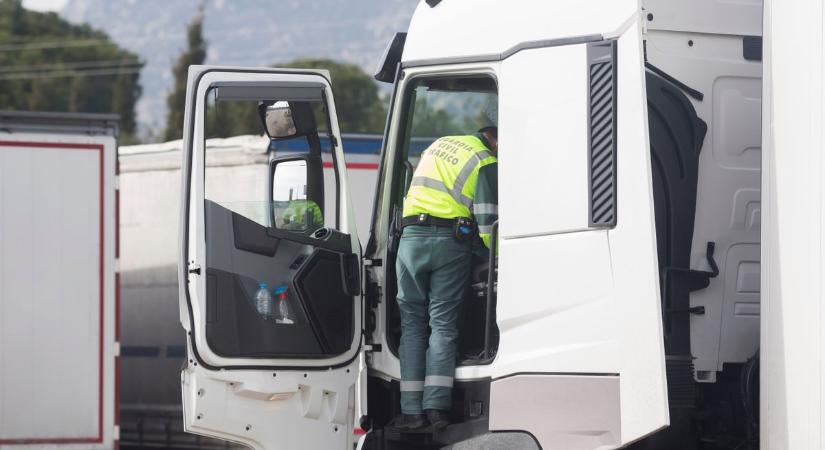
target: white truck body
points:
(58, 286)
(596, 345)
(793, 170)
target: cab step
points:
(426, 437)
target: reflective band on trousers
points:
(485, 208)
(485, 229)
(412, 386)
(438, 380)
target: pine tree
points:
(194, 54)
(39, 74)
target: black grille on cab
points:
(602, 133)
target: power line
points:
(54, 44)
(112, 63)
(68, 73)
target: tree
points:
(49, 64)
(194, 54)
(359, 108)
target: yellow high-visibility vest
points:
(444, 182)
(302, 215)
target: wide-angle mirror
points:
(277, 120)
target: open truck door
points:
(269, 267)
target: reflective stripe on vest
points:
(447, 166)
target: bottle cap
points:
(281, 289)
(262, 285)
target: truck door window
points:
(265, 205)
(240, 172)
(446, 107)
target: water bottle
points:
(284, 314)
(263, 301)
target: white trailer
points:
(58, 281)
(630, 306)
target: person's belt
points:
(427, 220)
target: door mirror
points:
(297, 193)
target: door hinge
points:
(373, 294)
(195, 268)
(372, 348)
(116, 432)
(373, 262)
(116, 348)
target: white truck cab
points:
(592, 327)
(578, 326)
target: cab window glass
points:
(438, 107)
(274, 286)
(447, 107)
(244, 175)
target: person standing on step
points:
(453, 195)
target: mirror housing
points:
(388, 64)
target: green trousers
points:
(432, 271)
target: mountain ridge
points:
(349, 31)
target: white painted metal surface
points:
(726, 17)
(57, 290)
(792, 410)
(533, 96)
(704, 51)
(633, 256)
(472, 28)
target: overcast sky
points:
(44, 5)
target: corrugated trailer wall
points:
(58, 296)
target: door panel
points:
(267, 282)
(240, 253)
(633, 255)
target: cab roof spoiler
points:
(390, 60)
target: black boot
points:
(438, 419)
(409, 421)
